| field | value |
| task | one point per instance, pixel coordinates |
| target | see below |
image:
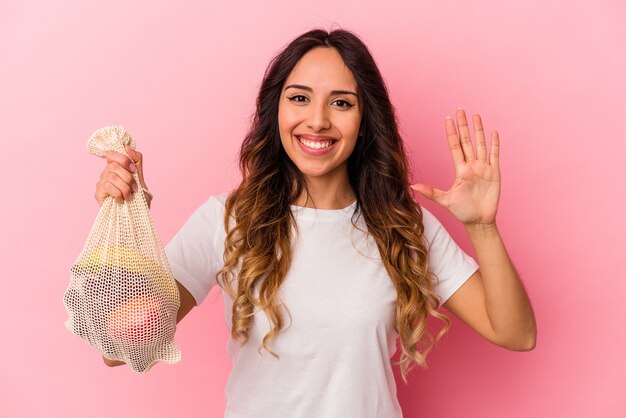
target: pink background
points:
(548, 75)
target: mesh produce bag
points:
(122, 298)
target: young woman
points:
(323, 257)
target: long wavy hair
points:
(259, 221)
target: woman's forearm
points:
(507, 304)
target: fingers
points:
(461, 142)
(117, 178)
(479, 134)
(137, 158)
(453, 142)
(494, 156)
(115, 181)
(134, 155)
(121, 159)
(464, 133)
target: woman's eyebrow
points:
(307, 88)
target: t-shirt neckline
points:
(314, 213)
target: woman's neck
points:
(324, 193)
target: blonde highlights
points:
(260, 225)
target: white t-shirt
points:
(335, 351)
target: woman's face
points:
(319, 114)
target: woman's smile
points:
(319, 116)
(315, 144)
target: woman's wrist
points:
(482, 231)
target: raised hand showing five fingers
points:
(475, 193)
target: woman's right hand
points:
(117, 178)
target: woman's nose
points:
(318, 118)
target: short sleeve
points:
(193, 253)
(449, 263)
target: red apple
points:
(138, 320)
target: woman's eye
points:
(298, 98)
(343, 103)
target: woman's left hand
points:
(473, 198)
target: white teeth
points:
(315, 144)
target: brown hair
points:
(258, 211)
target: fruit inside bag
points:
(122, 298)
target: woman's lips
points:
(316, 146)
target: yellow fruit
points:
(129, 259)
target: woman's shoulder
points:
(427, 216)
(215, 203)
(220, 198)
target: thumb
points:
(134, 155)
(429, 192)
